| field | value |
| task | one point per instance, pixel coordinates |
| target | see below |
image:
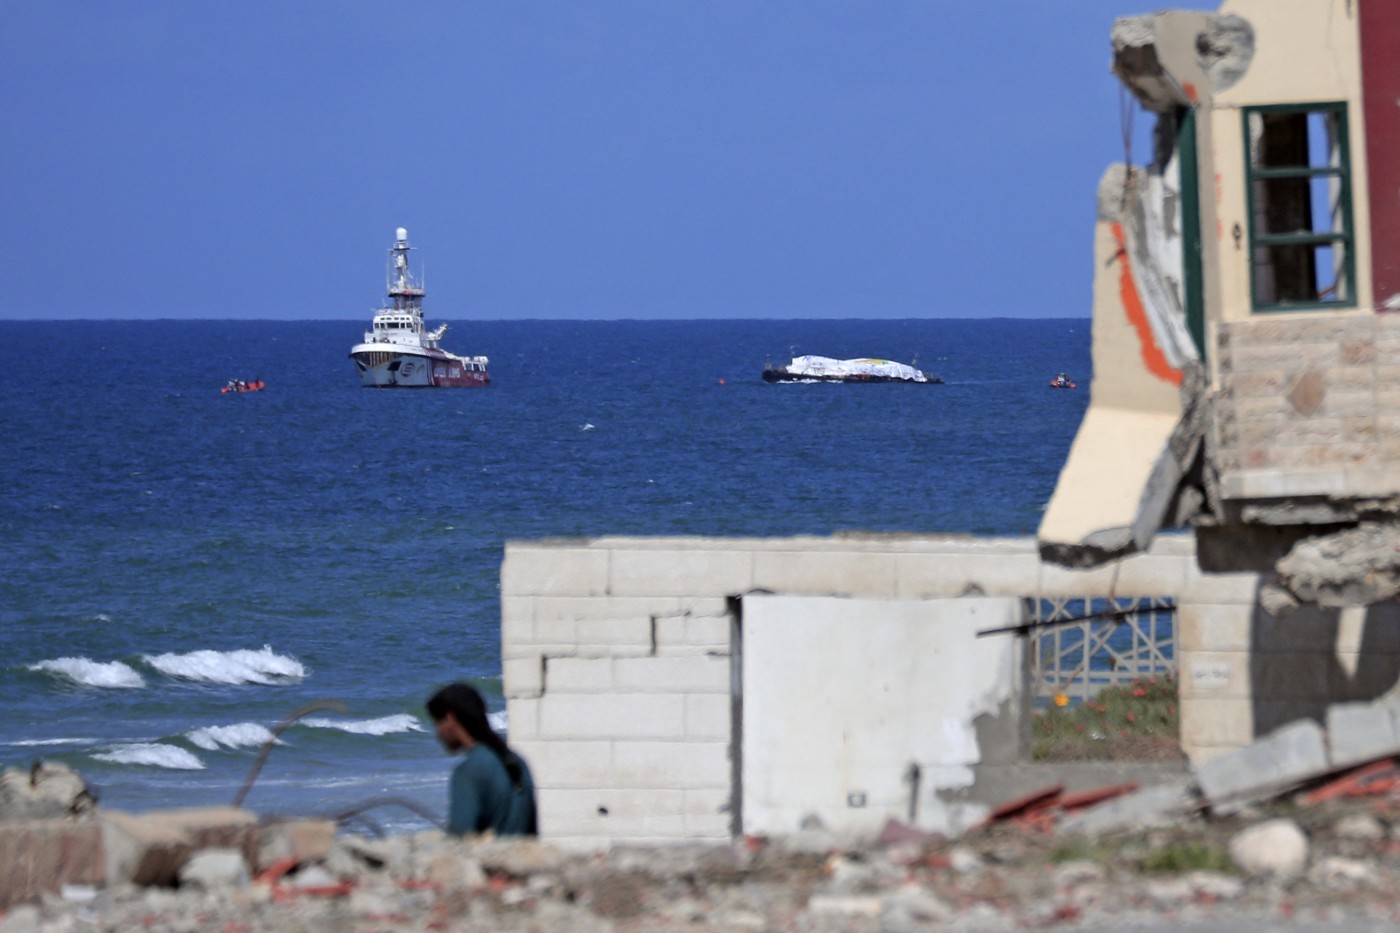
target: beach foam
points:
(152, 754)
(229, 667)
(91, 673)
(402, 722)
(238, 735)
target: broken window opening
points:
(1298, 176)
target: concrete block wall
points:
(1308, 405)
(616, 654)
(1246, 672)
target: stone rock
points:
(456, 871)
(210, 869)
(964, 861)
(1275, 848)
(312, 876)
(1359, 826)
(46, 790)
(1342, 874)
(1213, 884)
(919, 903)
(302, 840)
(849, 875)
(519, 858)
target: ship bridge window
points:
(1298, 175)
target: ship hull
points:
(388, 367)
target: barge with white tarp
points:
(826, 369)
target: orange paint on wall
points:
(1152, 356)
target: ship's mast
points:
(404, 292)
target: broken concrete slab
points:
(1157, 805)
(1281, 760)
(43, 855)
(1361, 732)
(1357, 566)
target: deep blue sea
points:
(180, 570)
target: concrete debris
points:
(1282, 760)
(1225, 49)
(1358, 566)
(43, 791)
(212, 869)
(1152, 58)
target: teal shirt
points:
(481, 797)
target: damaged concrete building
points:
(1247, 371)
(1246, 384)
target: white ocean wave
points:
(238, 735)
(30, 743)
(92, 673)
(229, 667)
(402, 722)
(153, 754)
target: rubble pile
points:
(1316, 847)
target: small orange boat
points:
(243, 385)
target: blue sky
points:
(649, 159)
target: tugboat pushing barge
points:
(398, 353)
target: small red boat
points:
(243, 385)
(1061, 381)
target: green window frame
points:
(1298, 182)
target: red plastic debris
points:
(1032, 801)
(1042, 809)
(1088, 798)
(1369, 780)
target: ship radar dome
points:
(401, 234)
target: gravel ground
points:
(1188, 875)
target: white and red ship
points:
(397, 352)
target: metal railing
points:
(1081, 645)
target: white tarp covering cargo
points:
(824, 367)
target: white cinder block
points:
(558, 763)
(707, 716)
(578, 675)
(681, 573)
(922, 576)
(841, 573)
(522, 718)
(691, 673)
(611, 715)
(542, 570)
(606, 607)
(522, 677)
(1149, 575)
(708, 812)
(615, 633)
(517, 619)
(672, 764)
(615, 813)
